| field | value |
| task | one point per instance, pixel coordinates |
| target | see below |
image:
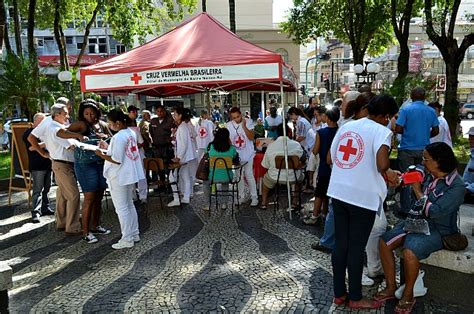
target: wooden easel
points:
(19, 147)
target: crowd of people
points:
(343, 158)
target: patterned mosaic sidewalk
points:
(187, 261)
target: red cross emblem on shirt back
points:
(239, 141)
(136, 78)
(348, 150)
(202, 132)
(133, 148)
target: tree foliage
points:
(441, 18)
(363, 24)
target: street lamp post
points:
(66, 77)
(366, 74)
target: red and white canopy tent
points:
(199, 55)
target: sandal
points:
(263, 207)
(382, 297)
(405, 307)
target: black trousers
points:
(353, 226)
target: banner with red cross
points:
(350, 151)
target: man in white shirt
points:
(444, 134)
(276, 149)
(241, 136)
(67, 195)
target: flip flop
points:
(405, 307)
(381, 297)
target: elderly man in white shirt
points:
(276, 149)
(56, 137)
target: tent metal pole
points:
(162, 101)
(285, 148)
(263, 105)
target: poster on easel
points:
(19, 165)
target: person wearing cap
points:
(444, 135)
(132, 114)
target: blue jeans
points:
(406, 158)
(41, 186)
(328, 240)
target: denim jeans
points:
(328, 240)
(41, 186)
(406, 158)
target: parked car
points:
(7, 125)
(467, 111)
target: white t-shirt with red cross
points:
(355, 178)
(123, 148)
(205, 133)
(240, 140)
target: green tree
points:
(18, 86)
(364, 24)
(440, 25)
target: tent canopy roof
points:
(197, 55)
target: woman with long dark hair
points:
(186, 155)
(89, 168)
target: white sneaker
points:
(122, 245)
(174, 203)
(185, 201)
(254, 202)
(366, 281)
(136, 238)
(90, 238)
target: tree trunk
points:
(451, 109)
(59, 37)
(402, 69)
(203, 4)
(358, 55)
(17, 29)
(31, 28)
(232, 15)
(86, 33)
(4, 29)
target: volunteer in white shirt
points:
(205, 133)
(360, 158)
(271, 122)
(55, 138)
(142, 184)
(186, 155)
(241, 136)
(444, 134)
(123, 169)
(317, 122)
(302, 128)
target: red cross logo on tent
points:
(202, 132)
(239, 142)
(136, 78)
(350, 150)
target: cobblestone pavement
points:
(186, 261)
